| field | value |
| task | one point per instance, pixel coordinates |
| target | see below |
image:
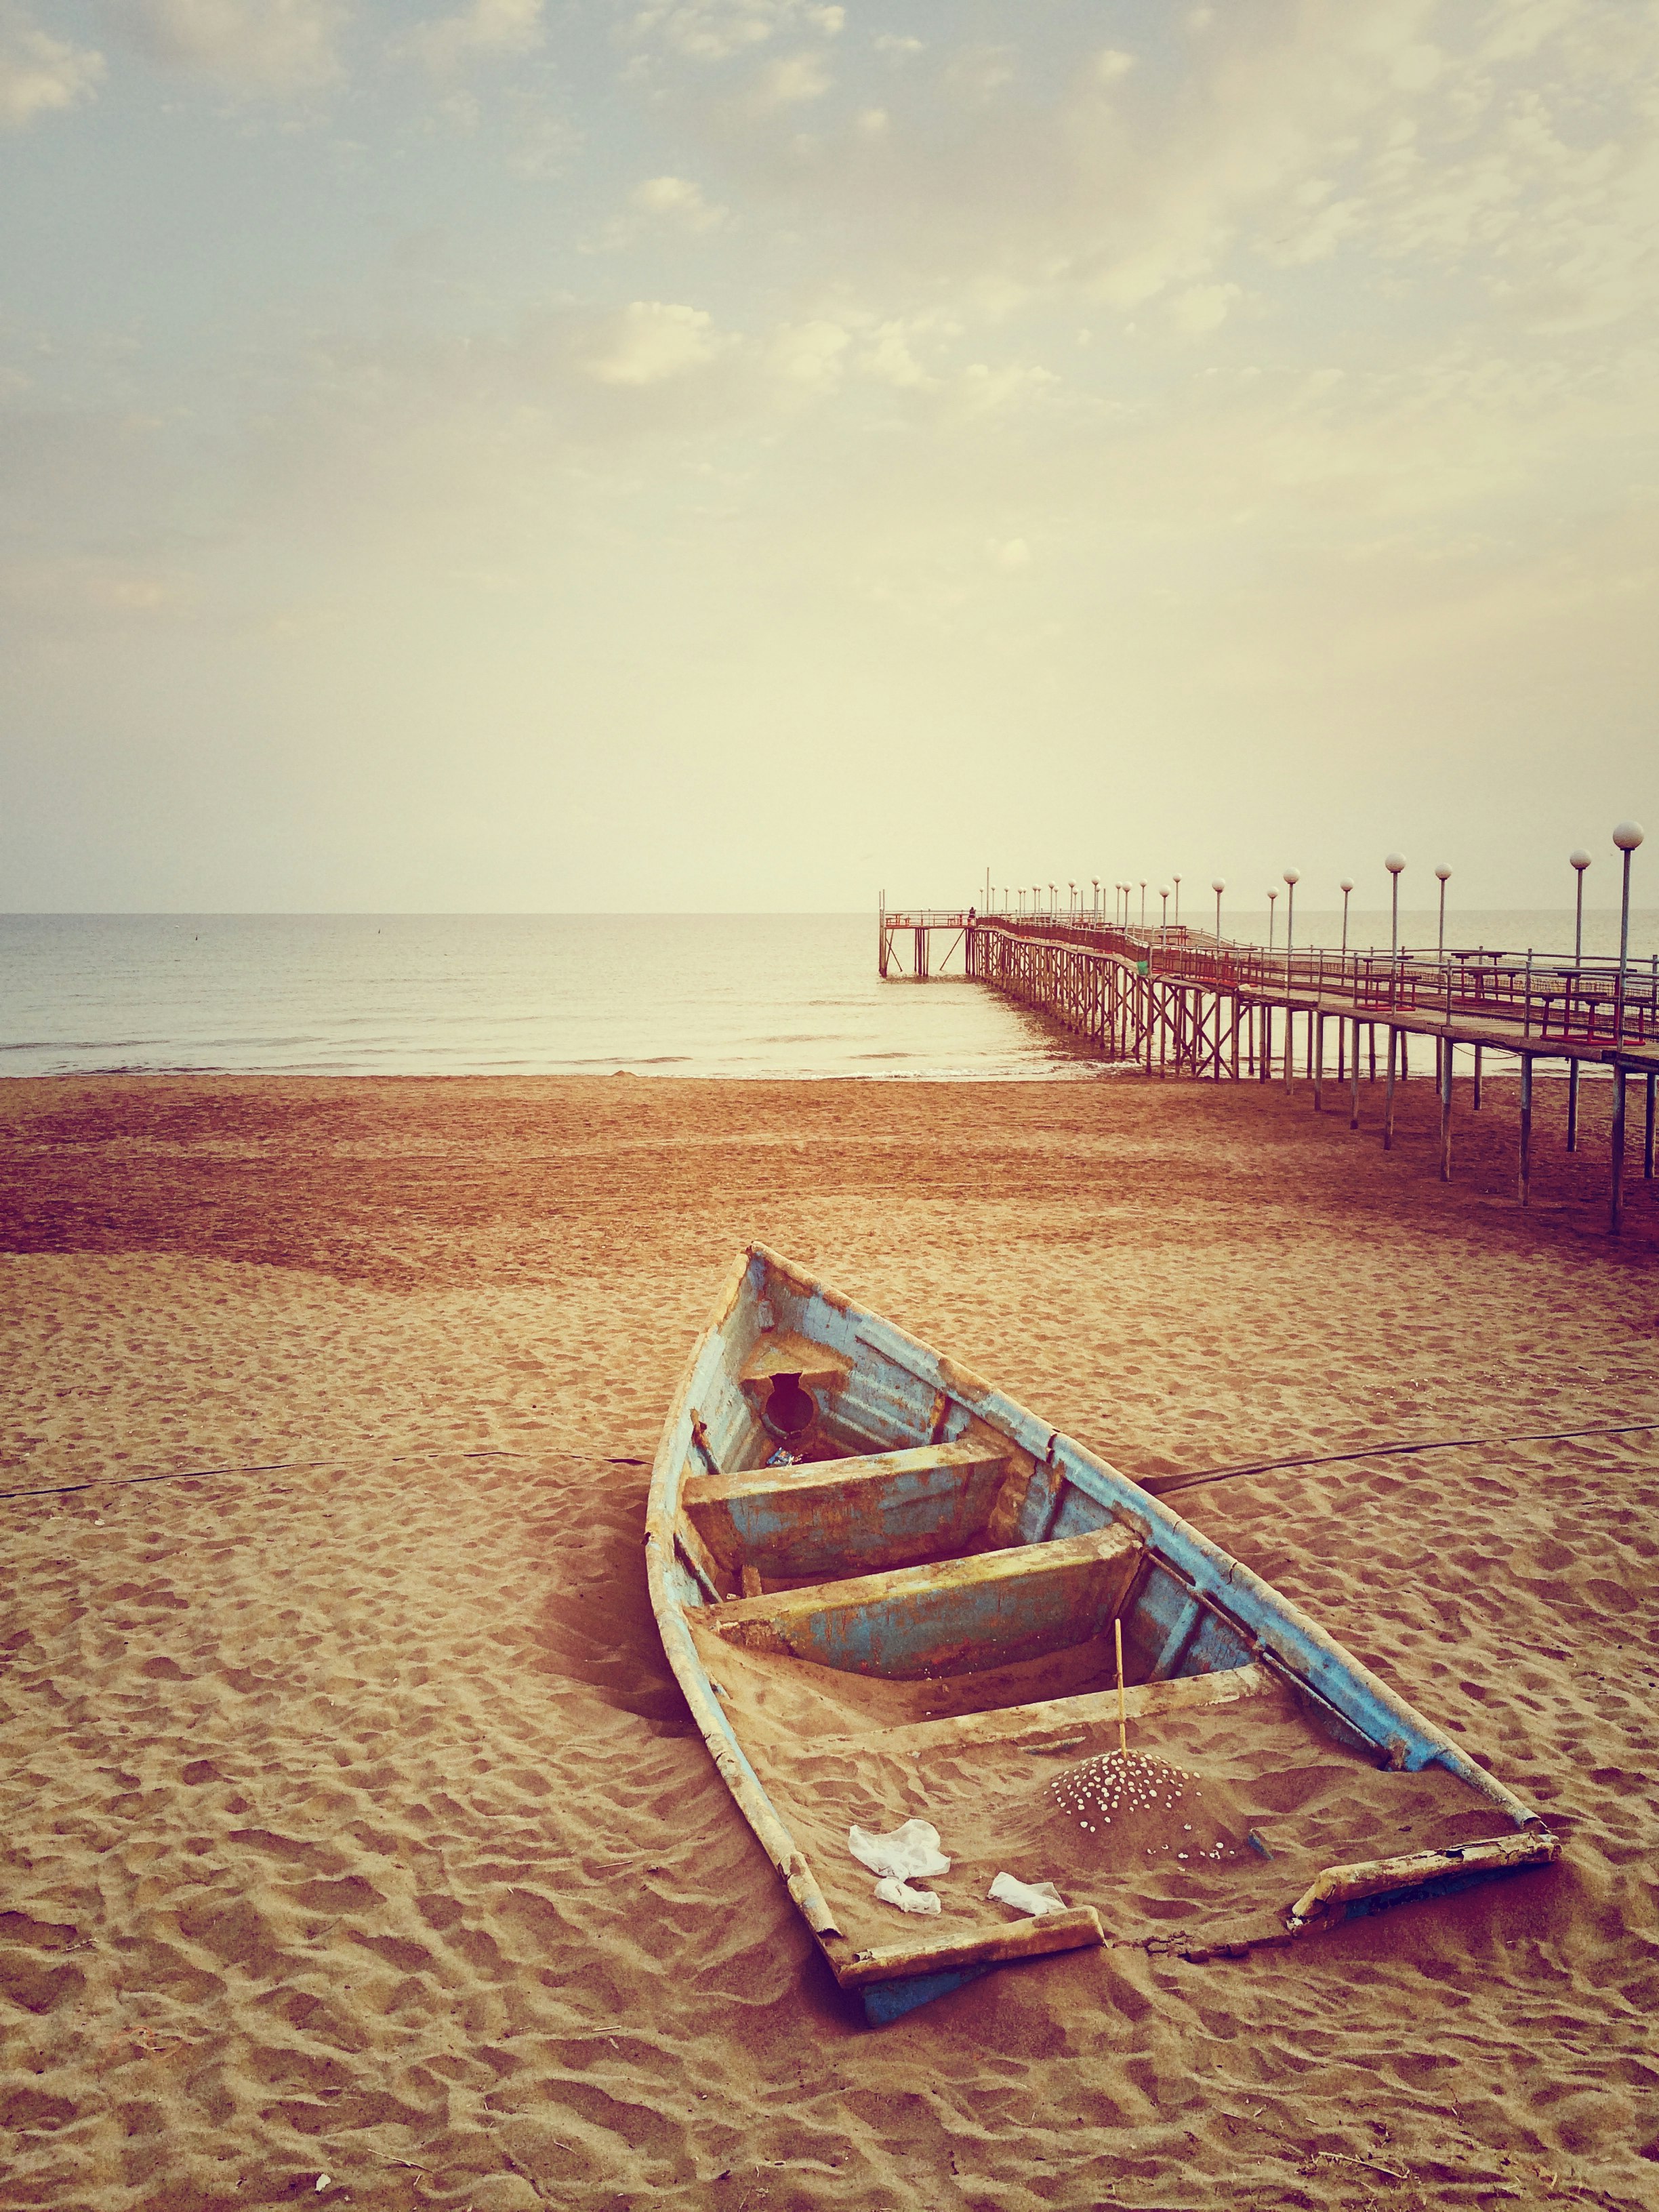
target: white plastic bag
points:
(890, 1890)
(909, 1851)
(912, 1849)
(1036, 1898)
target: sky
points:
(566, 455)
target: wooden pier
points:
(1174, 1002)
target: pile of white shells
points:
(1117, 1785)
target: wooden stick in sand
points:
(1122, 1711)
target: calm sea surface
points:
(553, 995)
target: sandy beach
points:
(353, 1826)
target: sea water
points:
(754, 995)
(757, 995)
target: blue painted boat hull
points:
(861, 1553)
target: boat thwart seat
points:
(991, 1610)
(883, 1510)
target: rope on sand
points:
(283, 1466)
(1160, 1485)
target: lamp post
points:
(1218, 886)
(1176, 880)
(1393, 864)
(1070, 899)
(1443, 1045)
(1272, 896)
(1345, 887)
(1163, 920)
(1578, 861)
(1292, 877)
(1627, 836)
(1143, 902)
(1095, 907)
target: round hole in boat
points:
(790, 1410)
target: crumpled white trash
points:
(909, 1851)
(1036, 1898)
(912, 1849)
(890, 1890)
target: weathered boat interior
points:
(889, 1591)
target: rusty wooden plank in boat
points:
(998, 1608)
(878, 1509)
(1028, 1939)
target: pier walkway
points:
(1177, 1002)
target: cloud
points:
(888, 359)
(716, 30)
(808, 357)
(1203, 307)
(489, 30)
(790, 81)
(678, 201)
(71, 592)
(651, 342)
(39, 73)
(973, 77)
(982, 389)
(252, 45)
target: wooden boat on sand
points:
(894, 1600)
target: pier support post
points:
(1353, 1081)
(1238, 1009)
(1572, 1102)
(1477, 1078)
(1616, 1206)
(1387, 1096)
(1526, 1129)
(1647, 1131)
(1317, 1047)
(1445, 1109)
(1265, 1057)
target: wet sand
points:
(353, 1823)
